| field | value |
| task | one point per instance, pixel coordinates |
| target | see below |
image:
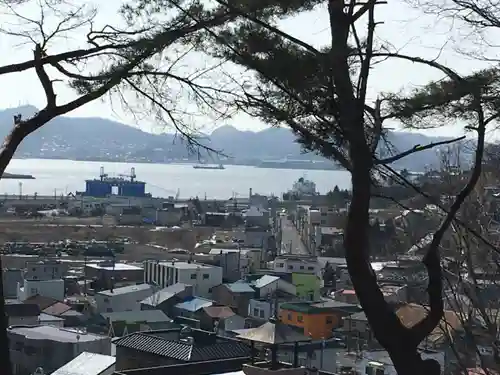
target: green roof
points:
(305, 308)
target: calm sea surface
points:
(64, 176)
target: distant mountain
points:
(101, 139)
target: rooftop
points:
(219, 312)
(165, 294)
(147, 316)
(358, 316)
(186, 265)
(264, 280)
(21, 309)
(205, 346)
(305, 307)
(57, 308)
(55, 334)
(115, 267)
(126, 289)
(49, 318)
(87, 364)
(194, 304)
(240, 287)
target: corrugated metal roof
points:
(240, 287)
(219, 312)
(87, 364)
(148, 316)
(126, 289)
(194, 304)
(57, 309)
(164, 294)
(272, 333)
(183, 351)
(265, 280)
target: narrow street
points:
(291, 241)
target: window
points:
(353, 324)
(33, 291)
(33, 269)
(280, 265)
(106, 300)
(290, 267)
(289, 316)
(255, 312)
(301, 267)
(193, 276)
(300, 318)
(329, 320)
(109, 309)
(206, 276)
(323, 222)
(310, 268)
(261, 314)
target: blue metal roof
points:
(240, 287)
(194, 304)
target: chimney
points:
(250, 193)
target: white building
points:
(88, 364)
(127, 298)
(45, 288)
(297, 264)
(201, 276)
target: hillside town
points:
(129, 284)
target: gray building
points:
(10, 279)
(50, 347)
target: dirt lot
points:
(48, 230)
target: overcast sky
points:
(407, 29)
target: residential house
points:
(88, 364)
(256, 216)
(269, 291)
(73, 318)
(42, 302)
(22, 314)
(44, 278)
(166, 298)
(175, 346)
(238, 262)
(316, 322)
(47, 288)
(259, 237)
(201, 276)
(50, 320)
(356, 326)
(50, 347)
(122, 323)
(45, 270)
(191, 307)
(220, 319)
(56, 309)
(288, 263)
(127, 298)
(347, 296)
(235, 295)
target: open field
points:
(47, 230)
